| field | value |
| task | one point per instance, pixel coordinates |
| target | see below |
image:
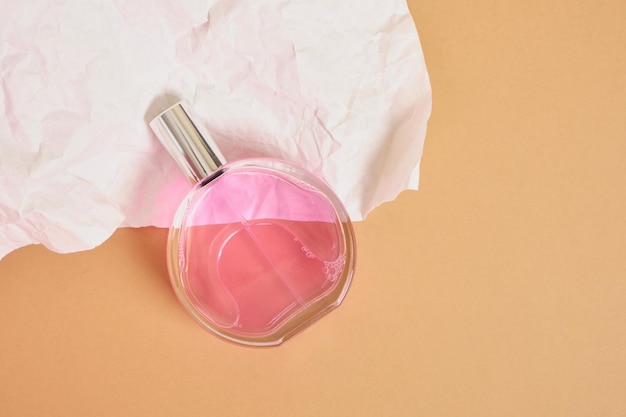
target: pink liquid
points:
(258, 248)
(250, 277)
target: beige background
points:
(498, 289)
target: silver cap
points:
(195, 152)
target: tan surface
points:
(498, 289)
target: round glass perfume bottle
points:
(260, 248)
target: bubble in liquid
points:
(332, 270)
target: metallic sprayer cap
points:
(195, 153)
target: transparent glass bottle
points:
(259, 248)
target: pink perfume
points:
(259, 248)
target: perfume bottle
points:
(259, 248)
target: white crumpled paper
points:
(339, 87)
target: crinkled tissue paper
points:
(338, 87)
